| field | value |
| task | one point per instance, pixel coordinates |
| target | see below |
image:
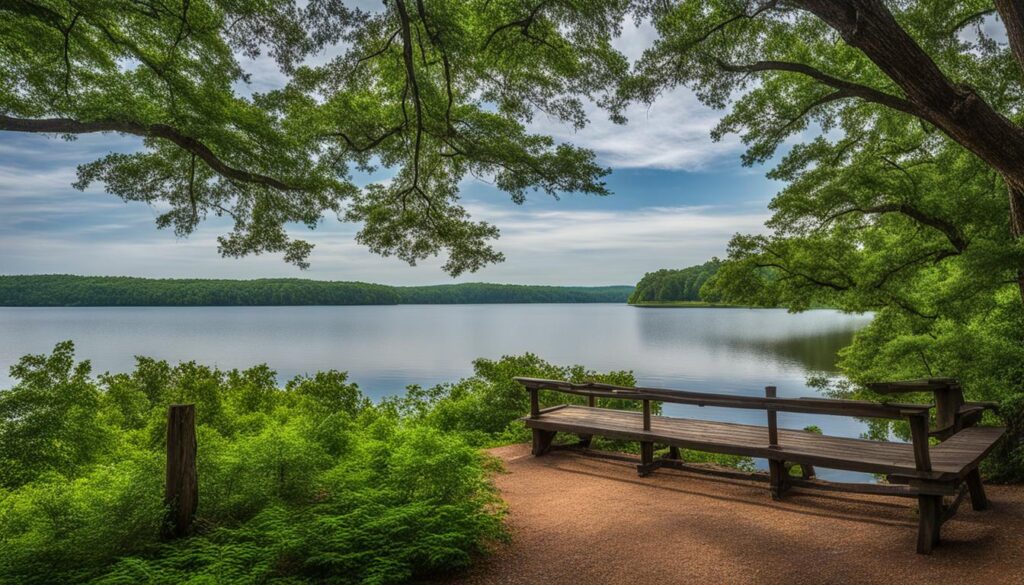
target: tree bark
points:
(1011, 12)
(181, 490)
(1017, 223)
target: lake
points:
(386, 348)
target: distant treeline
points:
(117, 291)
(675, 285)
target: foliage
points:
(306, 483)
(48, 421)
(309, 482)
(486, 408)
(429, 92)
(675, 285)
(66, 290)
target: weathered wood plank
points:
(830, 407)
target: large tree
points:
(866, 72)
(424, 91)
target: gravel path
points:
(578, 519)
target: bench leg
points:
(778, 477)
(646, 458)
(673, 453)
(542, 441)
(929, 511)
(585, 440)
(978, 500)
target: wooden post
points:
(948, 401)
(773, 420)
(646, 447)
(534, 403)
(181, 492)
(919, 436)
(978, 500)
(778, 478)
(542, 441)
(591, 401)
(929, 510)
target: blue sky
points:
(678, 197)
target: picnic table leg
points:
(673, 453)
(646, 458)
(978, 499)
(929, 509)
(778, 478)
(542, 441)
(585, 440)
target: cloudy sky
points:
(678, 197)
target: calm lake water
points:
(386, 348)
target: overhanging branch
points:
(183, 141)
(850, 89)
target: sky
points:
(677, 198)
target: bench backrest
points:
(916, 414)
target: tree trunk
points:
(181, 493)
(1017, 224)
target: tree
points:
(868, 74)
(49, 420)
(430, 90)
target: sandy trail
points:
(578, 519)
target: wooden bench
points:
(915, 469)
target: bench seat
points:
(953, 459)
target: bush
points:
(306, 483)
(311, 482)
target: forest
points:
(103, 291)
(668, 285)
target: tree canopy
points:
(425, 92)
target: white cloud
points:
(674, 133)
(542, 247)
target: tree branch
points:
(952, 233)
(374, 142)
(410, 69)
(185, 142)
(523, 24)
(850, 89)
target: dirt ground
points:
(578, 519)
